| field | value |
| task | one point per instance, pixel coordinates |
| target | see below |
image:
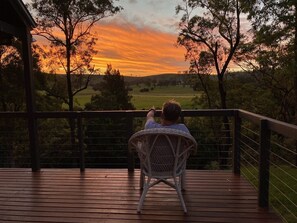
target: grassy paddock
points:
(157, 96)
(145, 100)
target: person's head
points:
(171, 111)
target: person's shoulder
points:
(183, 127)
(151, 124)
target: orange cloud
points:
(136, 51)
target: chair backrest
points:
(163, 152)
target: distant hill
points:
(141, 79)
(135, 80)
(158, 78)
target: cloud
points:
(156, 14)
(140, 40)
(138, 51)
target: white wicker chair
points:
(163, 155)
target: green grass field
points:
(145, 100)
(156, 97)
(282, 192)
(84, 97)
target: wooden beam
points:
(10, 29)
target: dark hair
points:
(171, 110)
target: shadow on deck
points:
(111, 195)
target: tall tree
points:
(217, 31)
(67, 25)
(14, 151)
(274, 24)
(12, 94)
(104, 137)
(212, 27)
(114, 94)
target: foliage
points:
(273, 57)
(12, 95)
(211, 39)
(106, 142)
(105, 138)
(114, 94)
(54, 144)
(14, 148)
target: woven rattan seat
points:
(163, 154)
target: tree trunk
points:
(70, 103)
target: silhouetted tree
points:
(14, 151)
(273, 52)
(106, 136)
(67, 26)
(218, 33)
(114, 94)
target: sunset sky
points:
(141, 39)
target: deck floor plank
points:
(111, 195)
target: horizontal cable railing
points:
(276, 175)
(105, 134)
(14, 143)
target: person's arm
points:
(151, 114)
(150, 120)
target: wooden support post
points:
(236, 143)
(30, 99)
(263, 196)
(81, 143)
(130, 155)
(182, 118)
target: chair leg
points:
(142, 177)
(183, 181)
(182, 200)
(178, 186)
(144, 192)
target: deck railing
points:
(257, 147)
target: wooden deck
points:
(111, 195)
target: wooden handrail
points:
(280, 127)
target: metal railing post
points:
(265, 133)
(236, 143)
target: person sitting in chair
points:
(171, 112)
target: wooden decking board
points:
(111, 195)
